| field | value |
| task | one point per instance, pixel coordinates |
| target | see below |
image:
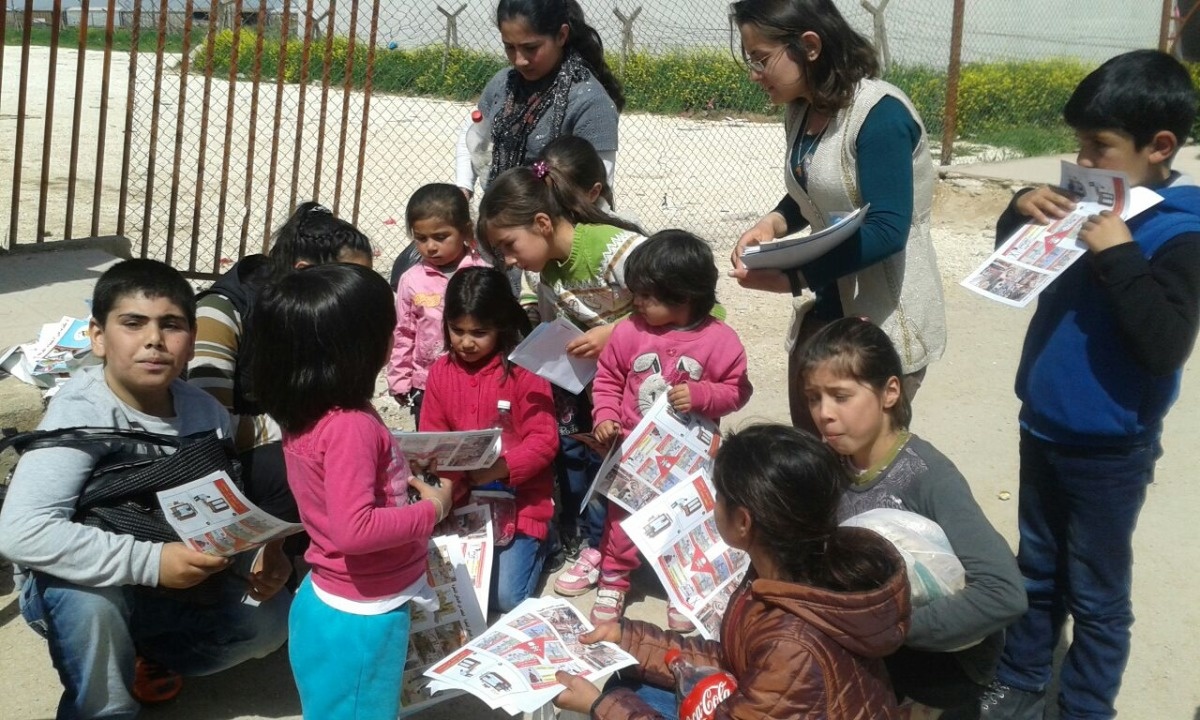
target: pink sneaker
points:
(580, 577)
(609, 606)
(679, 622)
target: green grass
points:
(1029, 141)
(122, 39)
(1008, 104)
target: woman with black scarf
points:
(559, 84)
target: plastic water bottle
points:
(496, 494)
(479, 143)
(699, 688)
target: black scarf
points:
(524, 107)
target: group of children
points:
(823, 610)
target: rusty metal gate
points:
(217, 118)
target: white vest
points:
(903, 293)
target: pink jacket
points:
(461, 397)
(419, 339)
(640, 362)
(351, 486)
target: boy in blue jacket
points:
(1100, 368)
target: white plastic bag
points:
(934, 570)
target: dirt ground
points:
(966, 408)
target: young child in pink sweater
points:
(322, 335)
(671, 344)
(469, 388)
(439, 221)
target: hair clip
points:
(540, 169)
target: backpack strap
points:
(76, 436)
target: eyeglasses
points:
(760, 66)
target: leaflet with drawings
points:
(790, 252)
(544, 353)
(460, 564)
(512, 665)
(1035, 255)
(456, 450)
(60, 349)
(212, 516)
(677, 532)
(664, 449)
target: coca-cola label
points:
(701, 703)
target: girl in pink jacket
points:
(439, 221)
(671, 344)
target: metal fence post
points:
(950, 119)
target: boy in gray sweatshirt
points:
(114, 638)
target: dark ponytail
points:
(518, 194)
(790, 483)
(586, 41)
(545, 17)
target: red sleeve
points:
(357, 445)
(536, 425)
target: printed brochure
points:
(212, 516)
(512, 665)
(461, 450)
(455, 574)
(677, 532)
(1035, 255)
(664, 449)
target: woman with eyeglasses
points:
(852, 140)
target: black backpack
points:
(120, 494)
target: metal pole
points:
(1164, 27)
(950, 118)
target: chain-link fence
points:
(358, 103)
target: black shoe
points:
(554, 562)
(1003, 702)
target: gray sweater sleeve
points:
(994, 595)
(36, 530)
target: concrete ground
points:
(966, 408)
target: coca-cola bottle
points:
(699, 688)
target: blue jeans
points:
(515, 571)
(1077, 513)
(661, 700)
(95, 634)
(347, 667)
(576, 466)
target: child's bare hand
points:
(270, 571)
(606, 432)
(591, 343)
(604, 632)
(581, 694)
(1100, 232)
(181, 567)
(1045, 204)
(443, 492)
(680, 397)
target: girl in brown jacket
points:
(817, 610)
